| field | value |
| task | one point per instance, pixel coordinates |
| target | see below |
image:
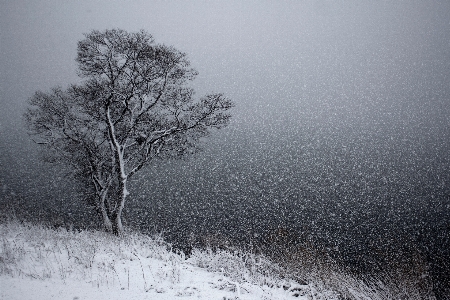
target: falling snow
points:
(339, 140)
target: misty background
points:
(340, 132)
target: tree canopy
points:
(134, 105)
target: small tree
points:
(133, 106)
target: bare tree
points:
(133, 106)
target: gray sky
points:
(290, 66)
(260, 53)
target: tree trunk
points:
(103, 210)
(106, 220)
(118, 227)
(118, 151)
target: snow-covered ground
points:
(194, 283)
(39, 263)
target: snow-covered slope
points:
(194, 283)
(39, 263)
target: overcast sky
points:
(260, 53)
(290, 66)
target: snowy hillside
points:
(41, 263)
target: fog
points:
(340, 131)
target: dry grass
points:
(41, 252)
(328, 280)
